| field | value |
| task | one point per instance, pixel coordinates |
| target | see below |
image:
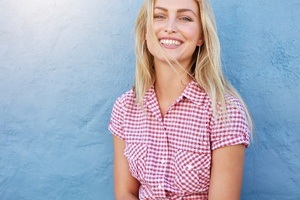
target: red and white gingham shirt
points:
(171, 156)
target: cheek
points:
(150, 46)
(149, 40)
(193, 32)
(158, 27)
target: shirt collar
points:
(193, 92)
(149, 93)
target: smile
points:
(170, 42)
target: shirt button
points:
(189, 167)
(163, 161)
(159, 187)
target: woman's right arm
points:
(126, 186)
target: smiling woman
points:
(181, 132)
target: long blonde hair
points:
(207, 70)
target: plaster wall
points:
(64, 62)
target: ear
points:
(200, 41)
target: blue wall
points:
(64, 62)
(261, 50)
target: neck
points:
(169, 84)
(170, 80)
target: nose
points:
(171, 26)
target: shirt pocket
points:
(136, 155)
(192, 171)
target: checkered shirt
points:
(171, 156)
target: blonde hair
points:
(207, 70)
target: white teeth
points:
(170, 42)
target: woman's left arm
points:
(226, 173)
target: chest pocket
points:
(136, 154)
(192, 171)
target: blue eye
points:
(159, 17)
(188, 19)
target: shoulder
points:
(232, 126)
(234, 112)
(234, 104)
(126, 98)
(119, 113)
(125, 103)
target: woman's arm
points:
(126, 186)
(227, 173)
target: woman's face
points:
(177, 26)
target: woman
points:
(181, 132)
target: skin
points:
(125, 185)
(180, 20)
(226, 173)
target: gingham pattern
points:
(171, 157)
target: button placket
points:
(164, 158)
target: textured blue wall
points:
(261, 51)
(64, 62)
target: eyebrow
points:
(179, 10)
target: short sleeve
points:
(116, 124)
(232, 130)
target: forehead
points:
(177, 4)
